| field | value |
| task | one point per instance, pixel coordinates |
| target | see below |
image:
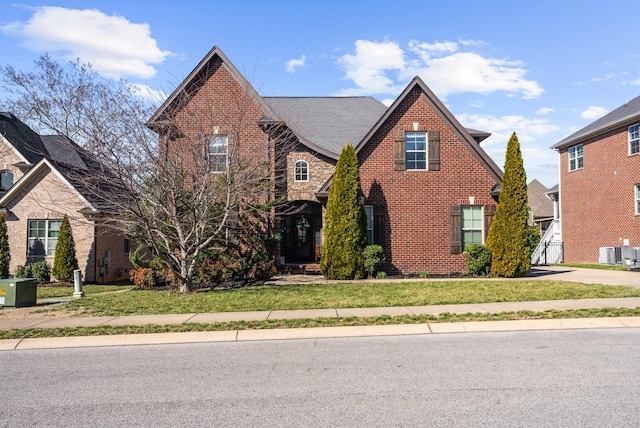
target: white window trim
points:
(46, 238)
(636, 198)
(462, 229)
(209, 140)
(295, 171)
(575, 157)
(635, 139)
(13, 176)
(425, 151)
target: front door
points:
(301, 238)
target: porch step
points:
(300, 268)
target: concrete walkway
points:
(590, 276)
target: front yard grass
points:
(336, 295)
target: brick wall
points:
(415, 205)
(597, 201)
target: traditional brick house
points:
(40, 185)
(428, 186)
(600, 185)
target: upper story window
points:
(42, 237)
(218, 146)
(471, 225)
(6, 180)
(637, 198)
(415, 146)
(634, 140)
(575, 157)
(301, 171)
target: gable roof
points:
(68, 161)
(444, 113)
(628, 112)
(23, 139)
(194, 82)
(327, 124)
(541, 206)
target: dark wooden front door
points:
(301, 238)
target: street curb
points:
(316, 333)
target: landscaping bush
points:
(478, 257)
(346, 222)
(5, 253)
(41, 271)
(65, 261)
(373, 257)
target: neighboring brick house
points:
(600, 185)
(428, 186)
(40, 185)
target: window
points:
(637, 199)
(575, 157)
(369, 212)
(471, 225)
(301, 171)
(42, 237)
(634, 140)
(6, 180)
(415, 144)
(218, 145)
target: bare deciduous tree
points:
(174, 193)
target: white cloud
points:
(544, 110)
(369, 66)
(593, 112)
(635, 82)
(114, 46)
(293, 64)
(384, 67)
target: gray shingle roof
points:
(629, 111)
(23, 138)
(328, 123)
(541, 206)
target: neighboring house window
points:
(368, 209)
(301, 171)
(637, 198)
(634, 140)
(415, 145)
(575, 157)
(471, 225)
(42, 237)
(218, 146)
(6, 180)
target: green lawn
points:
(339, 295)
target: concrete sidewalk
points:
(556, 273)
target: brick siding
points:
(597, 201)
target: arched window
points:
(301, 171)
(6, 180)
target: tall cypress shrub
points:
(345, 229)
(5, 254)
(65, 261)
(508, 237)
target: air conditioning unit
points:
(607, 256)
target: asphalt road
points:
(569, 378)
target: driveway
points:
(587, 276)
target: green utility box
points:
(18, 292)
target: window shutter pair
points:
(455, 225)
(433, 149)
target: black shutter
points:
(434, 150)
(378, 229)
(398, 151)
(455, 229)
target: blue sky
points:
(543, 69)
